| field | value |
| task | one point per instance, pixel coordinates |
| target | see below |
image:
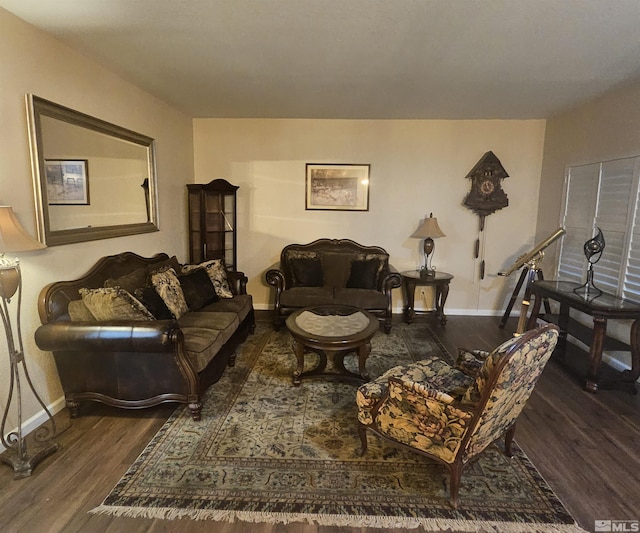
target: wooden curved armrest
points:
(238, 280)
(392, 280)
(275, 277)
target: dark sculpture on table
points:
(593, 249)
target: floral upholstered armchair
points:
(451, 414)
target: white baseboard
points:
(39, 418)
(398, 310)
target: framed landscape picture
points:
(67, 181)
(337, 187)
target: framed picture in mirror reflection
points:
(67, 181)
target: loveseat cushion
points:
(362, 298)
(306, 296)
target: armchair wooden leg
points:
(362, 433)
(455, 473)
(508, 440)
(73, 407)
(195, 408)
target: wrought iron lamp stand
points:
(17, 453)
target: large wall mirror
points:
(92, 179)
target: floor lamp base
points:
(23, 466)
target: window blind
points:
(603, 195)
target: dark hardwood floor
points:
(586, 446)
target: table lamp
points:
(428, 230)
(13, 238)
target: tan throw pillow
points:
(167, 285)
(217, 274)
(114, 304)
(78, 311)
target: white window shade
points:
(604, 195)
(580, 203)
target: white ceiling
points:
(450, 59)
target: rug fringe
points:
(383, 522)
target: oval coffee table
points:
(334, 330)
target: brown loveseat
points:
(333, 271)
(149, 357)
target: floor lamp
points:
(13, 238)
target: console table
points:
(414, 278)
(600, 307)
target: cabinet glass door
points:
(212, 222)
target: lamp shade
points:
(13, 237)
(429, 229)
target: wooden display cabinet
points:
(213, 222)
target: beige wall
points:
(33, 62)
(417, 167)
(606, 128)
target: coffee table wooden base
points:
(332, 347)
(337, 357)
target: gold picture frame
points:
(337, 187)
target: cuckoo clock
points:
(486, 195)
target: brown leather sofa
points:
(333, 271)
(139, 363)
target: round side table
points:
(414, 278)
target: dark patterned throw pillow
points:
(198, 289)
(363, 274)
(217, 273)
(306, 272)
(153, 302)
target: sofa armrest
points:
(237, 281)
(275, 277)
(109, 336)
(391, 280)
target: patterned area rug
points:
(266, 451)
